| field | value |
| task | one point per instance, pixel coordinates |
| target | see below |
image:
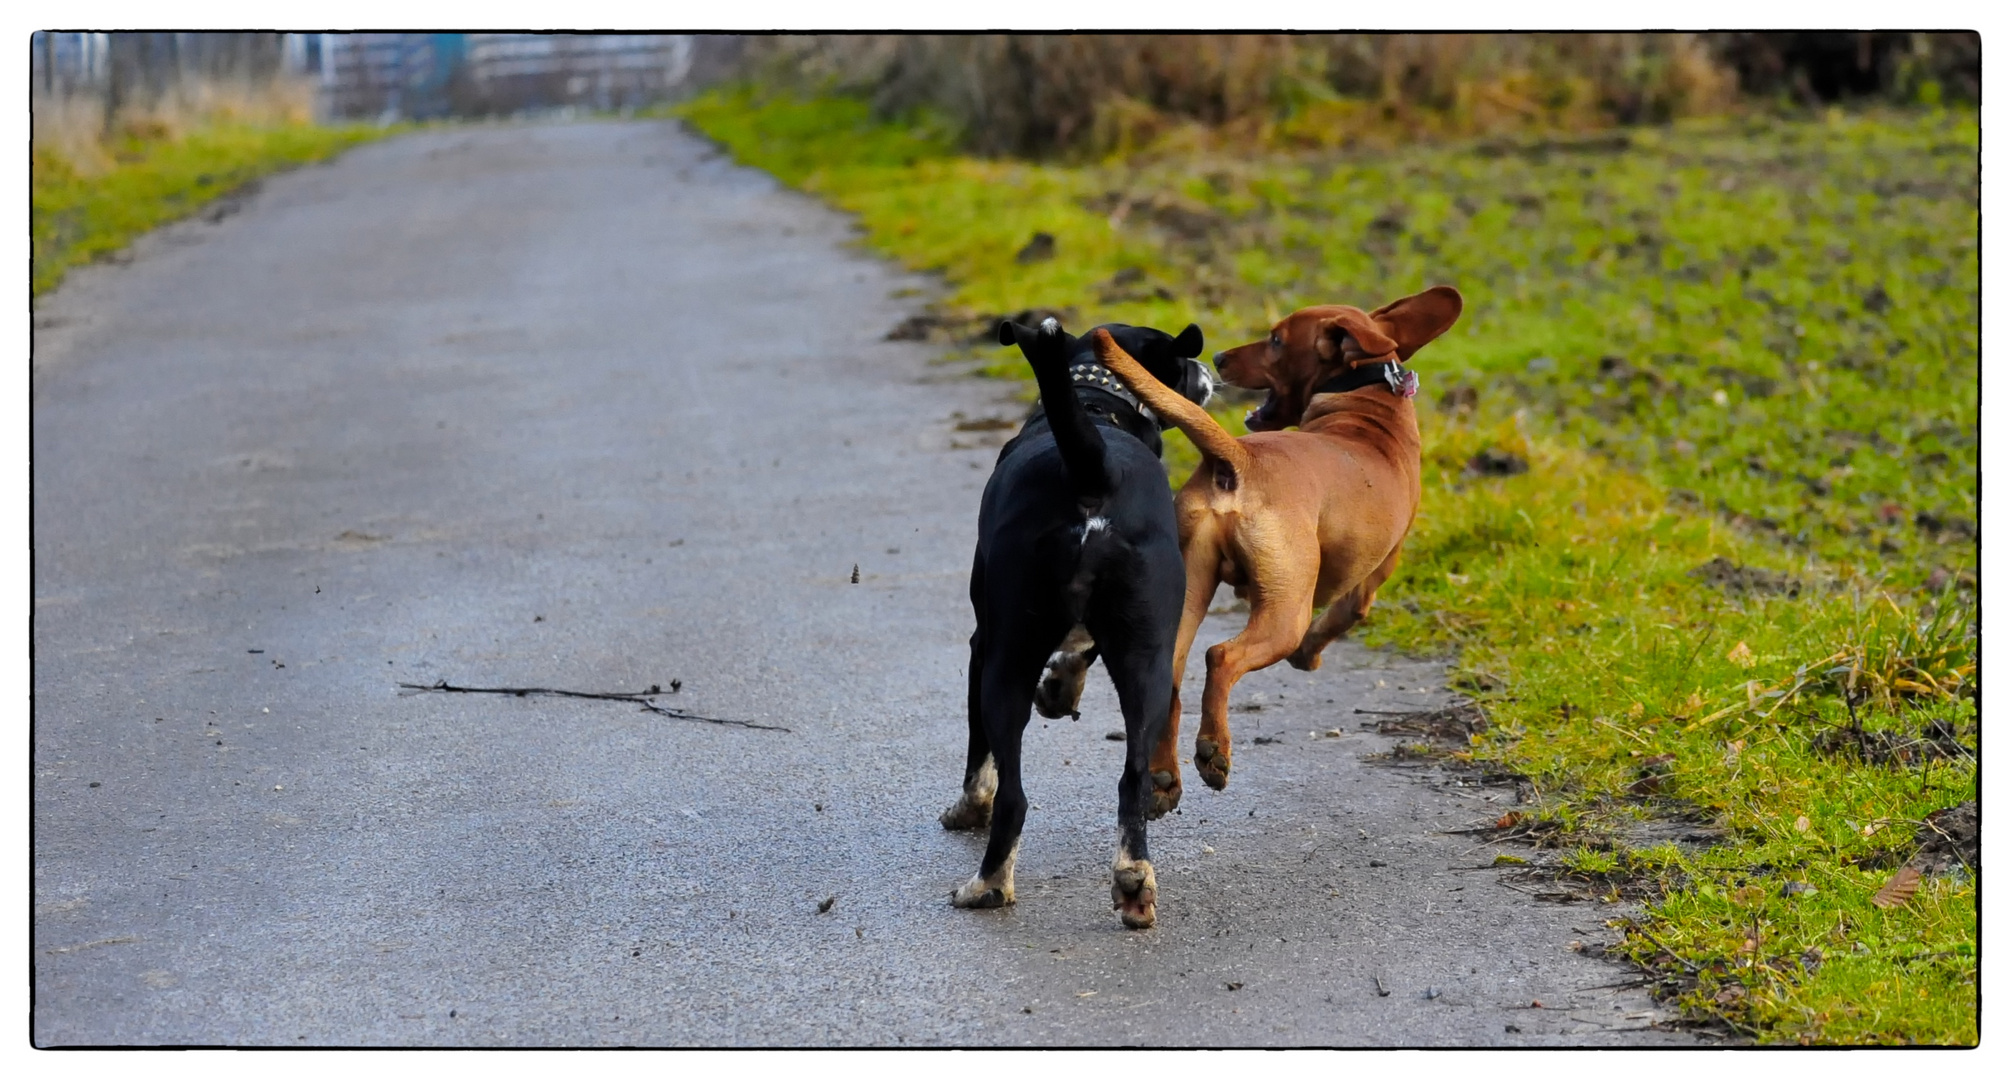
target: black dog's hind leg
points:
(1144, 680)
(1006, 694)
(973, 809)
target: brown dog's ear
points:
(1353, 322)
(1414, 321)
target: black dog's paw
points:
(966, 814)
(1061, 682)
(980, 892)
(1134, 892)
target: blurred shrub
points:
(1828, 66)
(1047, 95)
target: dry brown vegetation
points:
(1036, 94)
(1090, 95)
(75, 128)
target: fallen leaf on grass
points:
(1802, 823)
(1741, 655)
(1899, 889)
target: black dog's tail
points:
(1075, 434)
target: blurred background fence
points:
(116, 77)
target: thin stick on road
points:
(640, 697)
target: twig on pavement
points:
(640, 697)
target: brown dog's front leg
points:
(1166, 767)
(1201, 562)
(1275, 629)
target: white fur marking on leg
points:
(1068, 655)
(974, 890)
(986, 783)
(1076, 641)
(974, 806)
(1060, 688)
(1132, 881)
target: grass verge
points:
(1700, 489)
(78, 215)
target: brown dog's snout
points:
(1243, 366)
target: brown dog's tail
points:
(1216, 444)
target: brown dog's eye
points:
(1276, 341)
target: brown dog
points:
(1293, 520)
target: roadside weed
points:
(77, 216)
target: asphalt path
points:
(588, 406)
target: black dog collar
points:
(1393, 376)
(1100, 377)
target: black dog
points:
(1077, 548)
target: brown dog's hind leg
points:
(1276, 627)
(1335, 621)
(1341, 616)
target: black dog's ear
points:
(1188, 344)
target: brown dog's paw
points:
(1212, 762)
(1165, 794)
(1303, 660)
(1134, 893)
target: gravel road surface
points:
(588, 406)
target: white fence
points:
(393, 76)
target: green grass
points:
(1752, 340)
(77, 217)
